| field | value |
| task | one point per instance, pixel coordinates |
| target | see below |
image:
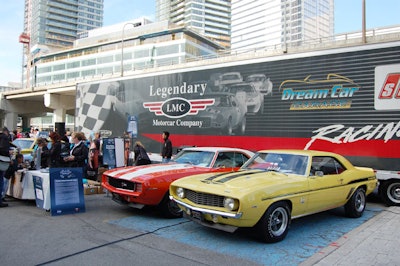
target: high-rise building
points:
(57, 23)
(261, 23)
(53, 25)
(211, 18)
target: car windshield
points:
(280, 162)
(23, 143)
(198, 158)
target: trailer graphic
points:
(341, 100)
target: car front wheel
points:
(274, 224)
(355, 207)
(169, 208)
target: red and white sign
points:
(24, 38)
(387, 87)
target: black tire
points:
(169, 208)
(389, 191)
(355, 206)
(274, 224)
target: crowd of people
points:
(73, 150)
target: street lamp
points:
(122, 46)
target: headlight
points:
(231, 204)
(180, 192)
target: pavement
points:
(375, 242)
(31, 236)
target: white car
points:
(261, 83)
(230, 78)
(253, 98)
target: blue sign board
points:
(39, 194)
(109, 152)
(66, 190)
(132, 126)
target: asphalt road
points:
(111, 234)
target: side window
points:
(230, 159)
(328, 165)
(239, 159)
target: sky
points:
(348, 18)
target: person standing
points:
(44, 153)
(4, 151)
(94, 154)
(79, 153)
(15, 165)
(54, 154)
(166, 152)
(141, 157)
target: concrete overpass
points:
(58, 99)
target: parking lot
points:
(108, 233)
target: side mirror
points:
(319, 173)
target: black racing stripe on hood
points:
(211, 178)
(236, 175)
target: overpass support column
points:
(59, 115)
(10, 120)
(60, 104)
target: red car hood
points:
(152, 171)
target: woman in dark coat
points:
(54, 154)
(141, 157)
(79, 153)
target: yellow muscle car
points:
(272, 188)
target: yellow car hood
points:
(244, 182)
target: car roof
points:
(215, 149)
(24, 139)
(300, 152)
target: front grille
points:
(120, 183)
(204, 198)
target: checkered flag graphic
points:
(94, 104)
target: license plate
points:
(197, 215)
(117, 198)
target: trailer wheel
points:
(389, 191)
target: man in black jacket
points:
(166, 152)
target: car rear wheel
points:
(169, 208)
(389, 191)
(355, 207)
(274, 224)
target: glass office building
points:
(143, 45)
(57, 23)
(210, 18)
(263, 23)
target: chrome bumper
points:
(202, 210)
